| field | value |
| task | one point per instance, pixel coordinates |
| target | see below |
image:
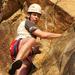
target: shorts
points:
(14, 48)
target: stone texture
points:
(53, 19)
(67, 5)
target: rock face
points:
(67, 5)
(55, 54)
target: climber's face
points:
(34, 17)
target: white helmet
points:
(35, 8)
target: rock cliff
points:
(54, 19)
